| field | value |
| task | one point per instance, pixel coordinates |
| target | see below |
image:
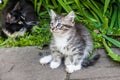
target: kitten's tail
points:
(90, 61)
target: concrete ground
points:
(23, 64)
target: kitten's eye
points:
(59, 25)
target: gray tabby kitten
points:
(70, 41)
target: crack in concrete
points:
(67, 76)
(11, 68)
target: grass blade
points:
(113, 41)
(90, 6)
(67, 8)
(105, 25)
(113, 55)
(35, 5)
(114, 16)
(54, 3)
(39, 4)
(79, 6)
(119, 15)
(106, 6)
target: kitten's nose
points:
(52, 28)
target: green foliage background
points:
(102, 17)
(40, 35)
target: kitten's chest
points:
(61, 43)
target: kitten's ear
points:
(17, 6)
(52, 14)
(70, 16)
(8, 17)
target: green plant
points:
(3, 5)
(39, 36)
(102, 17)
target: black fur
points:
(18, 14)
(15, 28)
(89, 62)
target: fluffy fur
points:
(18, 16)
(70, 41)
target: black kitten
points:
(13, 30)
(18, 16)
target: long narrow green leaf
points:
(105, 24)
(54, 3)
(114, 16)
(88, 16)
(90, 6)
(59, 9)
(96, 17)
(119, 15)
(94, 3)
(106, 6)
(69, 2)
(113, 55)
(46, 1)
(97, 11)
(66, 7)
(7, 40)
(79, 6)
(113, 41)
(35, 5)
(39, 4)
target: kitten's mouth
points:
(53, 29)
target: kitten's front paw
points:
(77, 67)
(54, 64)
(69, 68)
(72, 68)
(45, 59)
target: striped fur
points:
(70, 41)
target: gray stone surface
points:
(104, 69)
(23, 64)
